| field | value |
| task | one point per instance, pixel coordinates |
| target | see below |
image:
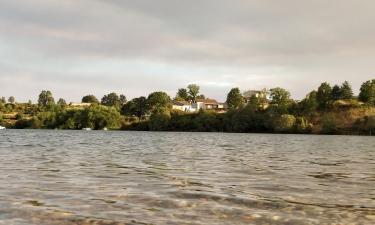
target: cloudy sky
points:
(78, 47)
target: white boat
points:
(105, 128)
(86, 128)
(2, 128)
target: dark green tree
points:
(2, 100)
(182, 94)
(346, 91)
(11, 100)
(193, 91)
(235, 98)
(336, 93)
(97, 117)
(367, 92)
(324, 95)
(123, 99)
(112, 99)
(158, 100)
(159, 121)
(46, 99)
(136, 107)
(279, 96)
(90, 99)
(309, 104)
(280, 101)
(201, 96)
(61, 102)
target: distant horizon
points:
(136, 47)
(173, 95)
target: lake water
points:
(98, 177)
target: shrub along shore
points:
(327, 110)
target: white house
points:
(199, 104)
(182, 106)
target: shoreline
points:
(176, 131)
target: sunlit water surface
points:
(98, 177)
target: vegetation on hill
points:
(327, 110)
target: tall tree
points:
(122, 99)
(279, 96)
(112, 99)
(46, 99)
(61, 102)
(235, 98)
(136, 107)
(309, 105)
(201, 96)
(280, 100)
(346, 91)
(11, 100)
(367, 92)
(89, 99)
(193, 91)
(336, 92)
(158, 100)
(183, 94)
(324, 95)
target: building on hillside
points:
(209, 104)
(182, 106)
(200, 104)
(261, 95)
(257, 93)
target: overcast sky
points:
(78, 47)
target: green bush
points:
(329, 125)
(284, 123)
(159, 121)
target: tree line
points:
(324, 110)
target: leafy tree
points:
(201, 96)
(336, 92)
(2, 100)
(279, 96)
(95, 117)
(61, 102)
(46, 99)
(182, 94)
(136, 107)
(329, 125)
(324, 95)
(90, 99)
(346, 91)
(159, 121)
(234, 98)
(193, 91)
(158, 100)
(112, 99)
(367, 92)
(122, 99)
(309, 104)
(11, 100)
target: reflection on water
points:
(75, 177)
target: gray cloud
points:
(135, 47)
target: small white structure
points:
(183, 106)
(199, 104)
(2, 128)
(86, 128)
